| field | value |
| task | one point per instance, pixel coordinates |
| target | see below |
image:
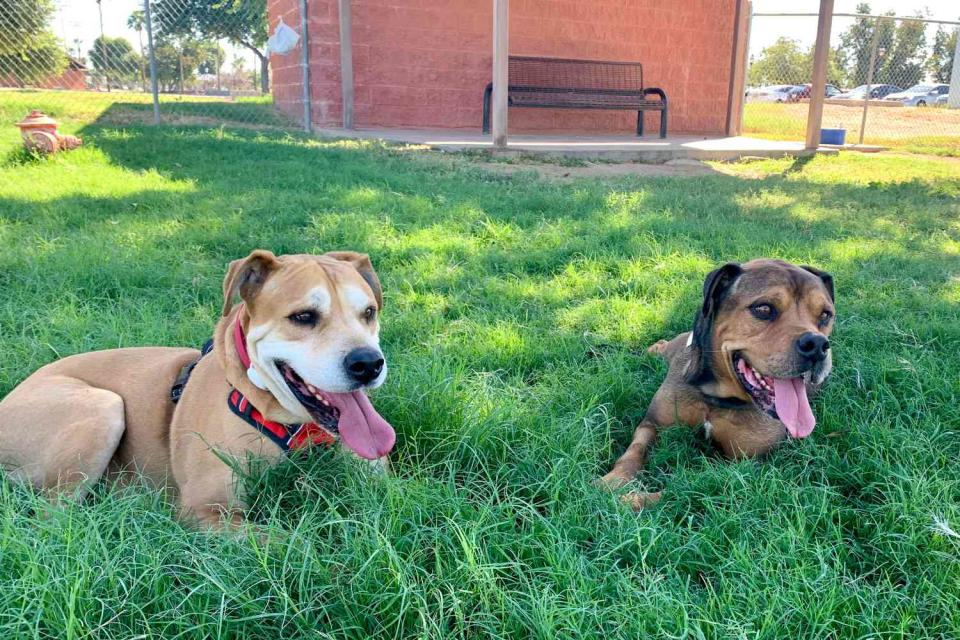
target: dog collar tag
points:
(254, 376)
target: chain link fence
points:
(143, 61)
(889, 81)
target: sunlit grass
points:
(517, 313)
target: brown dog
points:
(758, 348)
(287, 368)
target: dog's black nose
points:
(813, 346)
(363, 364)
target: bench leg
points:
(640, 123)
(663, 123)
(487, 93)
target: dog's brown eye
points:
(825, 317)
(763, 311)
(304, 318)
(369, 313)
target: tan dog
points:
(297, 353)
(758, 348)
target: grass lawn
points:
(517, 313)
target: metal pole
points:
(346, 64)
(819, 80)
(305, 65)
(153, 64)
(746, 68)
(873, 60)
(953, 99)
(501, 73)
(103, 48)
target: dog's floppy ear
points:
(246, 276)
(823, 275)
(715, 289)
(361, 262)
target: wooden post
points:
(738, 67)
(501, 51)
(819, 80)
(346, 64)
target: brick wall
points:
(424, 63)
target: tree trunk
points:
(264, 68)
(264, 74)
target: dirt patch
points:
(672, 169)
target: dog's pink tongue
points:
(361, 427)
(793, 407)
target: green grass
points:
(517, 313)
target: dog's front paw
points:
(639, 500)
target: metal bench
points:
(558, 83)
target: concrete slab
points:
(596, 147)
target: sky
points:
(766, 30)
(79, 19)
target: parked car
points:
(802, 92)
(920, 95)
(772, 93)
(877, 92)
(941, 100)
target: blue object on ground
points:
(832, 136)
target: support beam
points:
(346, 64)
(501, 52)
(305, 66)
(819, 80)
(953, 99)
(738, 67)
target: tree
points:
(903, 64)
(781, 63)
(114, 57)
(784, 62)
(180, 59)
(899, 50)
(857, 41)
(941, 61)
(29, 52)
(243, 22)
(137, 21)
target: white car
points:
(920, 95)
(773, 93)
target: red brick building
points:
(425, 63)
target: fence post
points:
(873, 61)
(305, 65)
(953, 99)
(153, 63)
(346, 63)
(819, 80)
(501, 72)
(746, 68)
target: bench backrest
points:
(577, 75)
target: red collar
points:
(288, 437)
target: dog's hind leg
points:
(58, 434)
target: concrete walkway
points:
(598, 147)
